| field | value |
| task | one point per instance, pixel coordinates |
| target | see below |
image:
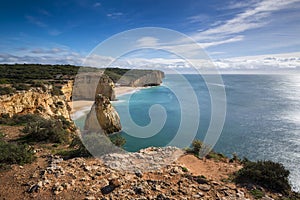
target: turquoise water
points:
(262, 118)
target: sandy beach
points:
(81, 106)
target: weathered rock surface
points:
(67, 90)
(142, 78)
(106, 87)
(103, 116)
(92, 179)
(35, 100)
(88, 85)
(150, 79)
(151, 158)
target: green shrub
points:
(6, 90)
(117, 140)
(21, 86)
(184, 169)
(3, 81)
(96, 143)
(216, 156)
(56, 91)
(13, 153)
(46, 130)
(197, 145)
(79, 149)
(19, 119)
(40, 85)
(257, 194)
(267, 174)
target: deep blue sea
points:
(262, 116)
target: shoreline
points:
(79, 108)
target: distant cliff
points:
(36, 100)
(103, 116)
(153, 78)
(137, 77)
(88, 85)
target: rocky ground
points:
(173, 175)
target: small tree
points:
(197, 145)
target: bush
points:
(118, 140)
(46, 130)
(56, 91)
(267, 174)
(216, 156)
(6, 90)
(12, 153)
(197, 145)
(21, 86)
(19, 119)
(257, 194)
(40, 85)
(96, 143)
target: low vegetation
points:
(48, 130)
(26, 73)
(14, 153)
(267, 174)
(19, 119)
(6, 90)
(92, 142)
(117, 140)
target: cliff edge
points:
(36, 101)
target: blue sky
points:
(228, 31)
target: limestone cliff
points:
(152, 78)
(67, 90)
(88, 85)
(103, 116)
(36, 100)
(106, 87)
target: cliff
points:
(141, 78)
(88, 85)
(67, 89)
(103, 116)
(36, 100)
(153, 78)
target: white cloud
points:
(147, 42)
(268, 63)
(253, 17)
(230, 40)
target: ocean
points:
(262, 116)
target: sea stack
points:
(103, 116)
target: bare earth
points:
(51, 177)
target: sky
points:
(254, 35)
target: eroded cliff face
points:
(35, 100)
(103, 116)
(67, 90)
(150, 79)
(88, 85)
